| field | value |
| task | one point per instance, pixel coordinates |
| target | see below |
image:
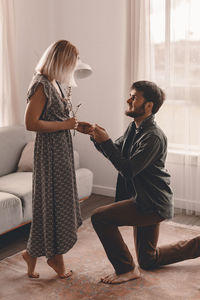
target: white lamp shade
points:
(82, 70)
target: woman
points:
(56, 212)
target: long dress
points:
(56, 211)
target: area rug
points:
(180, 281)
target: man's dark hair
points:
(151, 93)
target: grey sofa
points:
(16, 187)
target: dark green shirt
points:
(139, 156)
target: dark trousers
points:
(106, 221)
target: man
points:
(144, 186)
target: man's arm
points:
(98, 146)
(147, 151)
(118, 142)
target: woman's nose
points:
(129, 100)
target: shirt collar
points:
(146, 123)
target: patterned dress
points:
(56, 211)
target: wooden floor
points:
(16, 240)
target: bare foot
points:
(116, 279)
(31, 262)
(57, 264)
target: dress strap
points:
(60, 89)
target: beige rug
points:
(180, 281)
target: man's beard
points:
(139, 112)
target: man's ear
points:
(149, 106)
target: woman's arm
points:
(34, 110)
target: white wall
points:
(98, 29)
(34, 32)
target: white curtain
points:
(9, 102)
(165, 48)
(141, 50)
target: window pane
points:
(176, 49)
(175, 37)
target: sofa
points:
(16, 184)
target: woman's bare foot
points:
(116, 279)
(57, 264)
(31, 262)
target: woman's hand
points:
(71, 123)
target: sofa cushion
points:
(20, 185)
(10, 212)
(84, 180)
(13, 139)
(26, 160)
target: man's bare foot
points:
(57, 264)
(116, 279)
(31, 262)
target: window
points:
(175, 38)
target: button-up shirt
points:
(139, 156)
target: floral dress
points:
(56, 211)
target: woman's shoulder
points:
(39, 79)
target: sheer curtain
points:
(165, 48)
(9, 102)
(141, 50)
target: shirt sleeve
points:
(118, 143)
(147, 152)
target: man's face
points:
(136, 104)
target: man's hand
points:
(99, 134)
(84, 127)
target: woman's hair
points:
(151, 93)
(58, 61)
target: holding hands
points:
(84, 127)
(98, 133)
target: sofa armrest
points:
(76, 160)
(84, 180)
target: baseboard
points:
(103, 190)
(176, 224)
(185, 204)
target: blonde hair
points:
(58, 62)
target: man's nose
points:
(129, 100)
